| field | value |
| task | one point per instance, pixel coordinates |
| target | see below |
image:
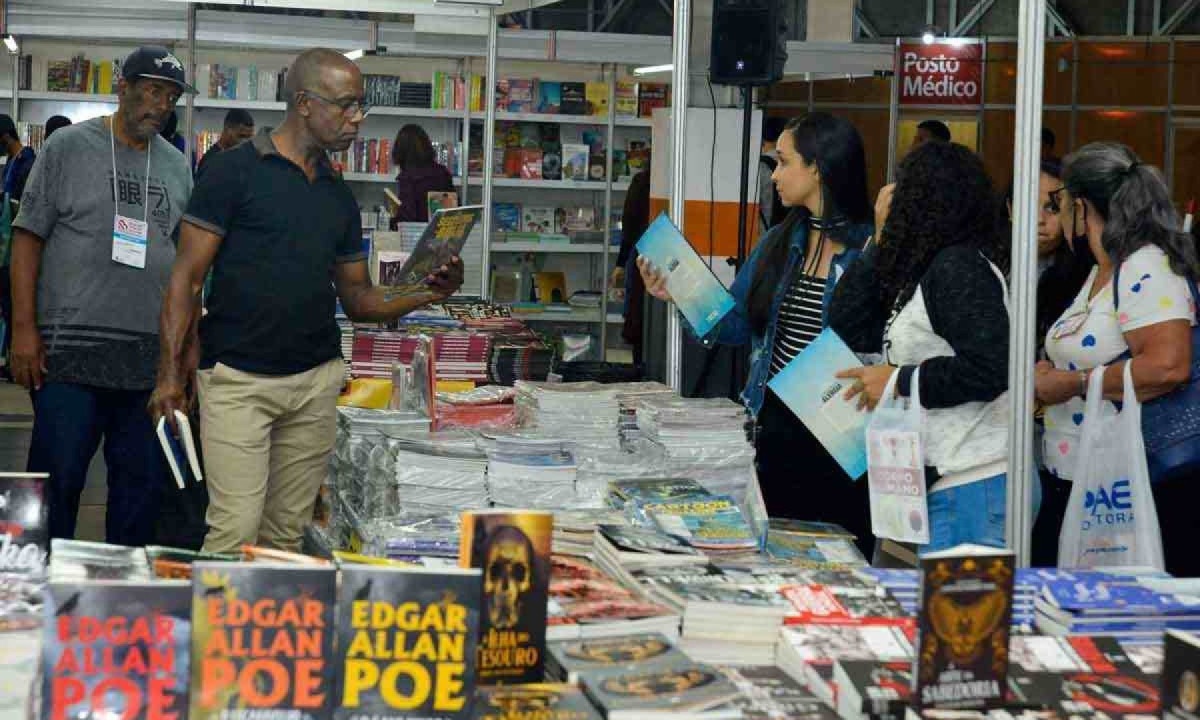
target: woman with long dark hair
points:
(419, 174)
(782, 295)
(931, 296)
(1123, 210)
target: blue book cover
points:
(698, 294)
(549, 99)
(713, 522)
(507, 217)
(808, 387)
(1102, 598)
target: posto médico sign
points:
(941, 74)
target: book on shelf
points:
(520, 95)
(626, 100)
(549, 97)
(575, 160)
(596, 163)
(963, 627)
(573, 96)
(112, 647)
(513, 549)
(652, 96)
(596, 94)
(537, 219)
(637, 157)
(506, 217)
(407, 642)
(502, 90)
(262, 639)
(696, 291)
(551, 287)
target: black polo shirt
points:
(272, 301)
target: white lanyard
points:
(112, 137)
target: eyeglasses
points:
(349, 108)
(1054, 204)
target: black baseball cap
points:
(157, 62)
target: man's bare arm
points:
(364, 302)
(28, 356)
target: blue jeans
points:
(69, 421)
(972, 513)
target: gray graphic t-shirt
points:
(98, 318)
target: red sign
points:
(941, 73)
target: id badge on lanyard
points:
(130, 236)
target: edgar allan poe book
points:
(262, 639)
(963, 627)
(116, 649)
(512, 548)
(406, 642)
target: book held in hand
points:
(808, 386)
(407, 642)
(179, 446)
(963, 627)
(512, 547)
(443, 238)
(695, 290)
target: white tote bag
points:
(1110, 518)
(896, 467)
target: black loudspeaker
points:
(749, 42)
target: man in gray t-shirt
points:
(88, 282)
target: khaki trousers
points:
(267, 441)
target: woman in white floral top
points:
(1123, 208)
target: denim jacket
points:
(735, 328)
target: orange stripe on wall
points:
(696, 215)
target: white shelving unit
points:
(550, 248)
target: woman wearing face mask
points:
(930, 295)
(1123, 210)
(782, 294)
(1063, 265)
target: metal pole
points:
(744, 175)
(1031, 47)
(489, 142)
(893, 119)
(681, 40)
(189, 112)
(608, 208)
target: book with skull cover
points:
(963, 626)
(1181, 676)
(262, 641)
(406, 642)
(512, 548)
(543, 701)
(113, 648)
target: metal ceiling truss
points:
(1177, 18)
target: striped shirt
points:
(799, 320)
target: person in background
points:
(635, 218)
(56, 122)
(782, 298)
(931, 296)
(170, 133)
(1063, 266)
(419, 174)
(269, 352)
(1122, 208)
(1048, 143)
(238, 127)
(771, 211)
(931, 130)
(16, 172)
(85, 324)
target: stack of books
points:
(809, 652)
(585, 602)
(704, 438)
(1123, 607)
(530, 472)
(585, 413)
(440, 471)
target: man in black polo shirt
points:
(290, 244)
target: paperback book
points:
(572, 658)
(808, 386)
(407, 642)
(688, 687)
(533, 701)
(695, 290)
(24, 529)
(262, 641)
(963, 626)
(712, 523)
(513, 550)
(443, 238)
(116, 649)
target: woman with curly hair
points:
(782, 296)
(931, 295)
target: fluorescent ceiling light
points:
(355, 54)
(10, 42)
(652, 69)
